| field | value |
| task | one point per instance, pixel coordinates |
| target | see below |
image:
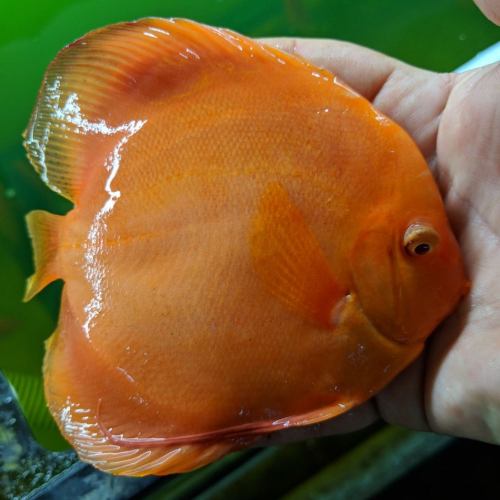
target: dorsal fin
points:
(100, 86)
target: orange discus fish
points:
(252, 246)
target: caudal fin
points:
(43, 229)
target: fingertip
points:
(365, 70)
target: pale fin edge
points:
(163, 456)
(43, 229)
(243, 431)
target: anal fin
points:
(77, 378)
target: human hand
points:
(454, 387)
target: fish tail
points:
(43, 229)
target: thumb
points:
(468, 146)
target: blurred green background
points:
(434, 34)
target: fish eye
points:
(420, 239)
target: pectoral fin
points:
(289, 260)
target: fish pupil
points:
(422, 249)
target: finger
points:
(490, 8)
(365, 70)
(412, 97)
(464, 363)
(402, 401)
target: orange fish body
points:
(253, 246)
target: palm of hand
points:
(453, 388)
(464, 359)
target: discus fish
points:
(252, 246)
